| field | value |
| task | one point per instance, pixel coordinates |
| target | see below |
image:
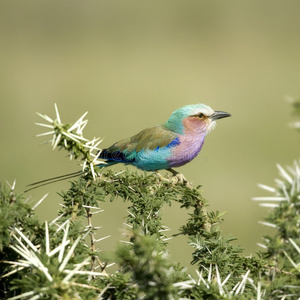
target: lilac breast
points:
(189, 147)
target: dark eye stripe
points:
(199, 115)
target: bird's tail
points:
(40, 183)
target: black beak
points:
(219, 115)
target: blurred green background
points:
(130, 64)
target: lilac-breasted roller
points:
(172, 144)
(166, 146)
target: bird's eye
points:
(201, 115)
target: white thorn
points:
(57, 114)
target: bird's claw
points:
(175, 179)
(178, 178)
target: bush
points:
(52, 261)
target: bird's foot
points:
(162, 178)
(176, 178)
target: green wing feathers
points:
(148, 139)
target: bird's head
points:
(194, 118)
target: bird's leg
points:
(162, 178)
(178, 177)
(175, 173)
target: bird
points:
(166, 146)
(169, 145)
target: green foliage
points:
(146, 260)
(14, 212)
(53, 261)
